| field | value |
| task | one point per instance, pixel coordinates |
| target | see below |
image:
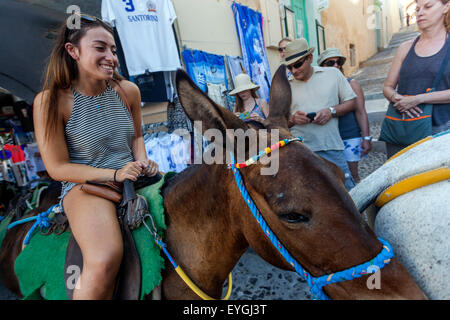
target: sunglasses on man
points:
(332, 62)
(281, 49)
(297, 64)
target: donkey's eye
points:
(293, 217)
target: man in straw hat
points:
(319, 96)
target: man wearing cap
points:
(325, 92)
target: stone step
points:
(381, 57)
(404, 36)
(386, 55)
(375, 62)
(374, 96)
(371, 81)
(376, 106)
(396, 42)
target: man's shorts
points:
(353, 150)
(338, 158)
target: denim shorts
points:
(338, 158)
(66, 187)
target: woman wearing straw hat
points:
(353, 126)
(248, 106)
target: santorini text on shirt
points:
(142, 17)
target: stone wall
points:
(349, 23)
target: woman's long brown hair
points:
(62, 69)
(239, 106)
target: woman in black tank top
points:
(85, 133)
(415, 66)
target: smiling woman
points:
(84, 124)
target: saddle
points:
(131, 209)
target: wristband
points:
(392, 96)
(367, 138)
(115, 172)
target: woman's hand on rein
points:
(130, 171)
(149, 167)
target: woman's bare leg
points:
(95, 227)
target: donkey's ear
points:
(199, 107)
(280, 98)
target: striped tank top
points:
(99, 132)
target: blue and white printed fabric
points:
(205, 68)
(249, 28)
(235, 65)
(208, 72)
(195, 62)
(170, 151)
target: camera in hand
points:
(311, 116)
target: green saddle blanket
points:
(40, 266)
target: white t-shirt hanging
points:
(145, 31)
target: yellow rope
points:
(412, 183)
(197, 290)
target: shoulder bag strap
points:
(443, 66)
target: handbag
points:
(399, 131)
(107, 190)
(113, 190)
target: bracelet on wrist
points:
(115, 172)
(392, 96)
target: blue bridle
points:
(316, 284)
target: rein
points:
(43, 220)
(179, 271)
(316, 284)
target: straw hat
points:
(330, 53)
(242, 82)
(296, 50)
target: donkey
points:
(305, 203)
